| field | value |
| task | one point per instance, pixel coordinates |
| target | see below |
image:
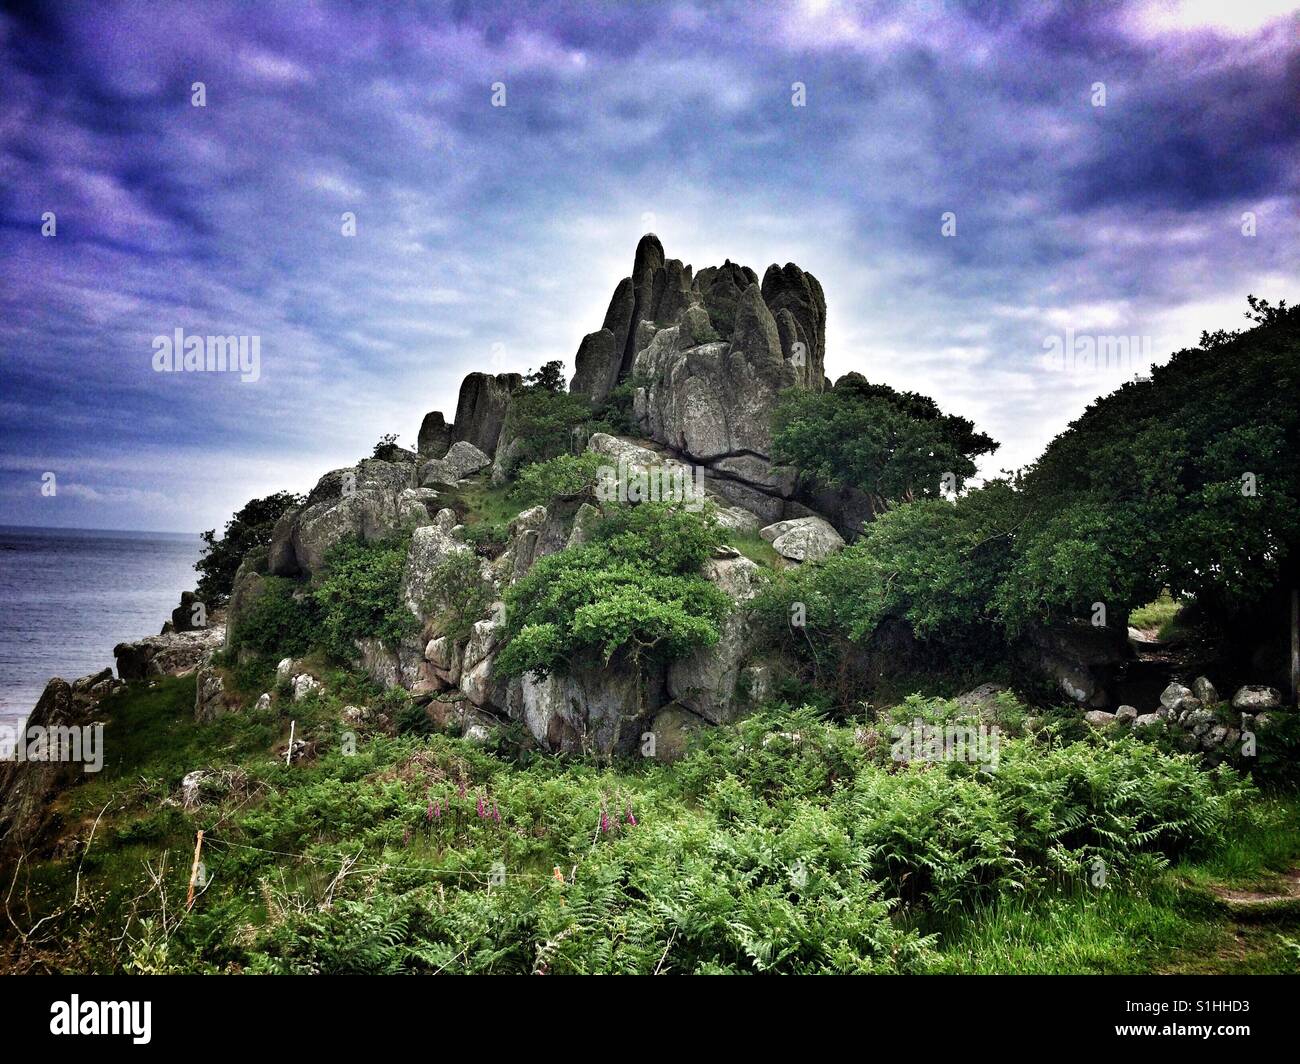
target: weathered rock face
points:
(371, 501)
(593, 711)
(481, 409)
(435, 436)
(430, 545)
(27, 787)
(209, 695)
(460, 461)
(185, 617)
(596, 365)
(798, 304)
(710, 354)
(706, 681)
(175, 654)
(1256, 699)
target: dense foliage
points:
(567, 476)
(782, 844)
(1185, 482)
(893, 446)
(360, 596)
(249, 529)
(634, 589)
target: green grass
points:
(1159, 615)
(755, 548)
(478, 502)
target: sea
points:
(68, 596)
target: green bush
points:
(458, 595)
(249, 529)
(568, 476)
(634, 589)
(283, 621)
(360, 596)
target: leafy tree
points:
(632, 592)
(247, 530)
(550, 378)
(893, 446)
(1187, 480)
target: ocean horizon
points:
(69, 595)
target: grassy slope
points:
(277, 844)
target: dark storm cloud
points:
(490, 238)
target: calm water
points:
(68, 596)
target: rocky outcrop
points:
(371, 501)
(30, 779)
(706, 681)
(709, 355)
(430, 546)
(209, 695)
(481, 409)
(596, 365)
(174, 654)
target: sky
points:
(973, 184)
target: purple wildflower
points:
(630, 817)
(480, 806)
(604, 821)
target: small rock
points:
(1199, 722)
(1147, 720)
(305, 684)
(355, 715)
(263, 702)
(1205, 690)
(1099, 718)
(1126, 714)
(1172, 698)
(191, 788)
(284, 670)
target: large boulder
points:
(803, 539)
(596, 366)
(369, 501)
(1254, 698)
(28, 787)
(706, 680)
(594, 710)
(481, 409)
(461, 460)
(1082, 660)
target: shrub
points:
(282, 622)
(634, 589)
(568, 476)
(360, 596)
